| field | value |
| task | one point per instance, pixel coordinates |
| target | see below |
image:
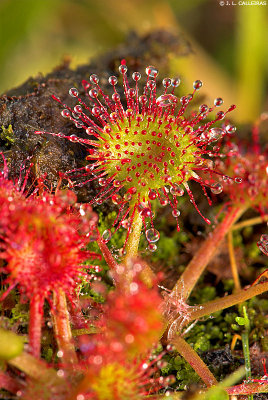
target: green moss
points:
(7, 135)
(116, 243)
(185, 375)
(20, 313)
(166, 249)
(252, 250)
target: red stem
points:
(248, 388)
(227, 301)
(197, 265)
(194, 360)
(106, 253)
(62, 328)
(35, 324)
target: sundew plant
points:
(102, 324)
(145, 147)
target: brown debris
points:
(30, 107)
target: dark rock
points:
(30, 107)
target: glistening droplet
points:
(152, 235)
(176, 213)
(216, 188)
(151, 71)
(215, 134)
(238, 179)
(102, 181)
(107, 235)
(152, 247)
(218, 102)
(73, 92)
(197, 84)
(166, 100)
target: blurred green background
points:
(229, 42)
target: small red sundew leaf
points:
(249, 188)
(43, 240)
(121, 358)
(143, 140)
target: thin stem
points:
(245, 344)
(134, 237)
(35, 324)
(248, 388)
(197, 265)
(227, 301)
(132, 247)
(194, 360)
(106, 253)
(36, 369)
(62, 327)
(233, 261)
(250, 222)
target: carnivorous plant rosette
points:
(143, 144)
(250, 162)
(42, 243)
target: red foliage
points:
(42, 240)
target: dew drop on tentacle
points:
(203, 108)
(131, 92)
(218, 101)
(93, 93)
(113, 80)
(106, 236)
(78, 109)
(73, 138)
(216, 188)
(166, 82)
(151, 71)
(152, 247)
(176, 190)
(122, 69)
(175, 82)
(230, 129)
(238, 179)
(143, 99)
(152, 235)
(215, 134)
(151, 84)
(146, 213)
(197, 84)
(73, 92)
(166, 100)
(136, 76)
(176, 213)
(116, 183)
(94, 78)
(66, 113)
(102, 181)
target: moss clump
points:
(7, 135)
